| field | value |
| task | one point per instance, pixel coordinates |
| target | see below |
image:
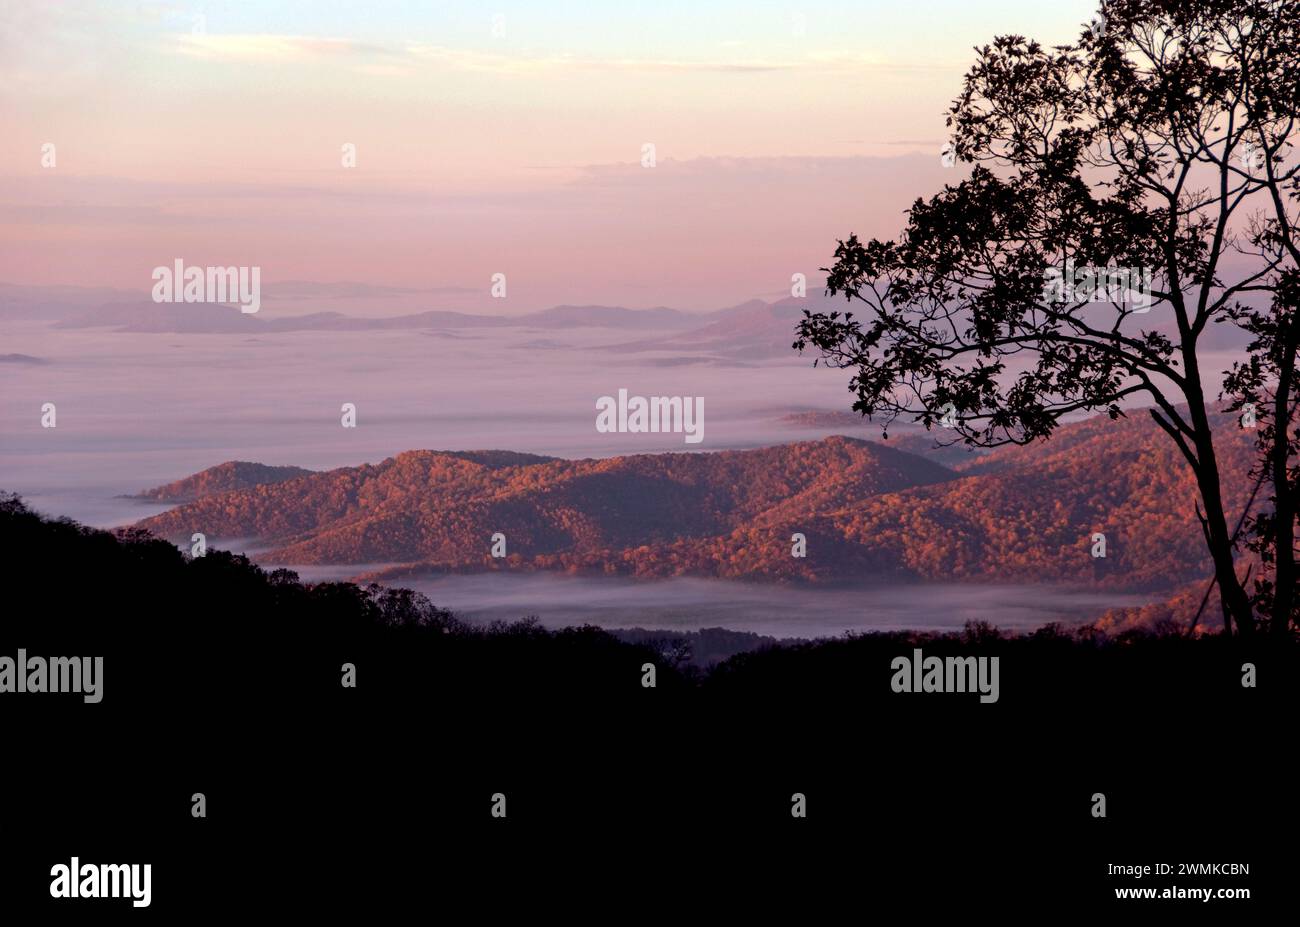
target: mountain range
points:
(750, 331)
(869, 512)
(148, 316)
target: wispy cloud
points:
(378, 58)
(267, 47)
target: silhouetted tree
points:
(1143, 145)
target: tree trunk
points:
(1236, 604)
(1284, 513)
(1232, 595)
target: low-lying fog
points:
(688, 604)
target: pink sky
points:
(476, 153)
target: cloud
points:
(392, 59)
(474, 60)
(266, 47)
(398, 58)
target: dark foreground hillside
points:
(221, 678)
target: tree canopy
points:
(1156, 154)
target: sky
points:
(489, 138)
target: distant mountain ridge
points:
(869, 512)
(750, 331)
(148, 316)
(754, 330)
